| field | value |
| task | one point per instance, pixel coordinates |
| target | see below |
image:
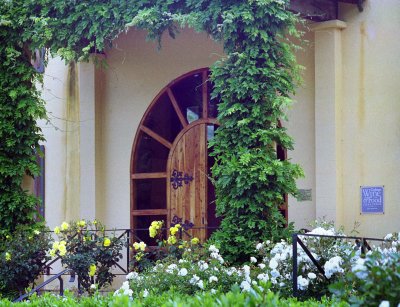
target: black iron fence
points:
(360, 243)
(125, 235)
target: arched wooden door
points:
(170, 162)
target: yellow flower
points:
(94, 222)
(106, 242)
(56, 244)
(139, 246)
(171, 240)
(8, 256)
(8, 237)
(63, 250)
(63, 243)
(152, 232)
(92, 270)
(81, 223)
(52, 253)
(36, 232)
(142, 246)
(195, 241)
(174, 230)
(138, 257)
(64, 226)
(57, 230)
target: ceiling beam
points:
(320, 10)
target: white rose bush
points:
(348, 274)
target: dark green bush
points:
(23, 255)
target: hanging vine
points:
(253, 81)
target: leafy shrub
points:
(172, 298)
(190, 274)
(23, 255)
(375, 278)
(333, 255)
(85, 248)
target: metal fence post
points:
(127, 249)
(294, 273)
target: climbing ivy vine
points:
(254, 82)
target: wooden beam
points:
(149, 175)
(178, 111)
(320, 10)
(317, 10)
(156, 136)
(149, 212)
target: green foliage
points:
(85, 248)
(20, 107)
(22, 258)
(172, 299)
(253, 82)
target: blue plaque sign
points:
(372, 200)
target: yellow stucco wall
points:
(371, 112)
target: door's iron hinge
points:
(178, 177)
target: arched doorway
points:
(170, 174)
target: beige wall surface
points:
(371, 112)
(54, 93)
(301, 126)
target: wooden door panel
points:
(188, 158)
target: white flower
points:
(261, 266)
(281, 284)
(275, 273)
(124, 290)
(93, 286)
(360, 269)
(145, 293)
(200, 284)
(263, 277)
(213, 278)
(253, 260)
(323, 231)
(230, 271)
(332, 266)
(170, 269)
(246, 270)
(213, 249)
(311, 275)
(302, 283)
(273, 264)
(202, 265)
(245, 285)
(213, 291)
(259, 246)
(384, 304)
(132, 275)
(182, 272)
(125, 285)
(389, 236)
(194, 279)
